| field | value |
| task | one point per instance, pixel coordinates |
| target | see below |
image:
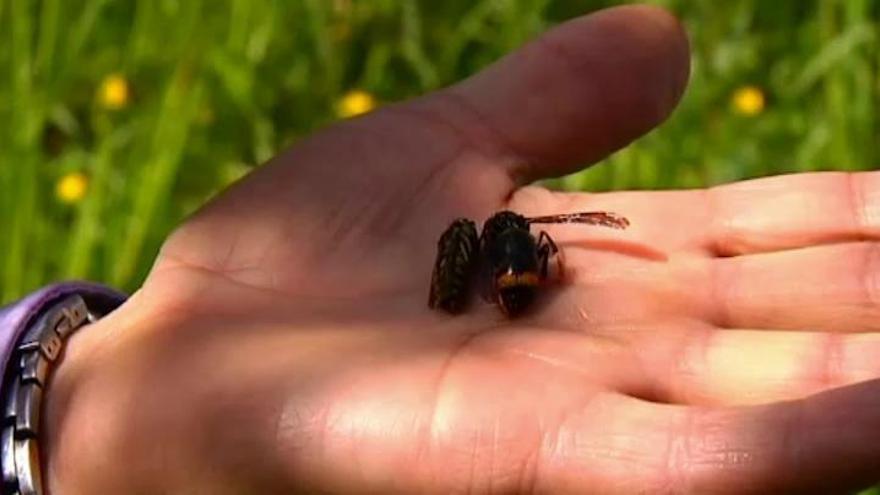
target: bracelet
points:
(27, 374)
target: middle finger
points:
(823, 288)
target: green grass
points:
(219, 87)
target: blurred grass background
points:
(119, 118)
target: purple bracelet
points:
(33, 331)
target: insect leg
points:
(545, 241)
(546, 249)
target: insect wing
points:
(602, 218)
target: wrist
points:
(76, 420)
(34, 332)
(110, 425)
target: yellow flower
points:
(114, 92)
(72, 187)
(748, 100)
(355, 102)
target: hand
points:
(283, 343)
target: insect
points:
(510, 261)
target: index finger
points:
(753, 216)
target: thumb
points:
(583, 90)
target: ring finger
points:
(695, 364)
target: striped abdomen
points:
(453, 269)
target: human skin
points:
(727, 342)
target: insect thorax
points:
(513, 251)
(500, 222)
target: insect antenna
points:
(603, 218)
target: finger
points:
(659, 221)
(793, 211)
(828, 443)
(832, 288)
(752, 216)
(581, 91)
(679, 360)
(401, 173)
(693, 363)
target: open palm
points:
(283, 341)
